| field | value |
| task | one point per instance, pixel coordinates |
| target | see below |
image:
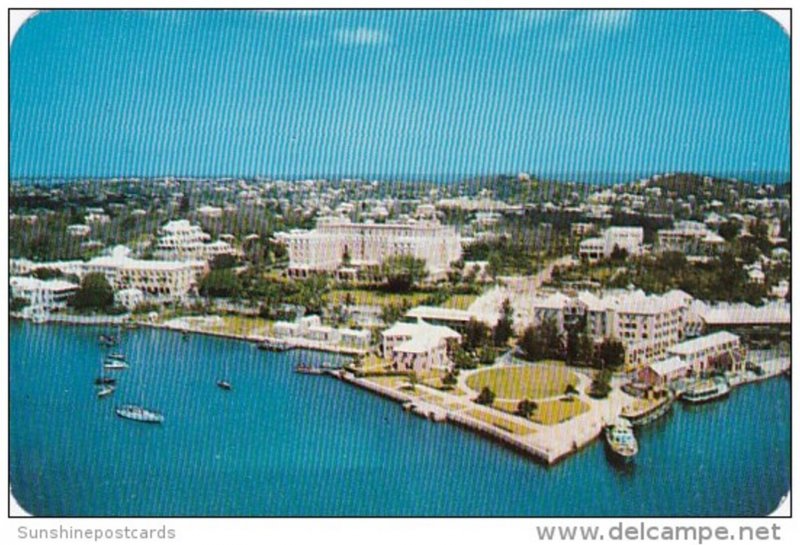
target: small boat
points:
(621, 441)
(304, 369)
(108, 340)
(139, 414)
(185, 335)
(274, 346)
(705, 390)
(105, 380)
(115, 365)
(224, 384)
(106, 391)
(116, 356)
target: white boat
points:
(106, 391)
(705, 390)
(139, 414)
(621, 441)
(116, 356)
(114, 365)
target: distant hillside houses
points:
(691, 238)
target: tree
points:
(95, 293)
(487, 354)
(504, 328)
(611, 354)
(463, 359)
(222, 261)
(47, 273)
(530, 344)
(17, 303)
(347, 259)
(619, 254)
(476, 334)
(526, 408)
(552, 340)
(601, 385)
(730, 230)
(220, 283)
(402, 272)
(485, 397)
(579, 347)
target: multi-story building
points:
(719, 351)
(691, 238)
(337, 241)
(629, 239)
(161, 281)
(180, 240)
(647, 325)
(42, 295)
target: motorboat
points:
(106, 391)
(224, 384)
(139, 414)
(621, 441)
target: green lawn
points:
(378, 298)
(460, 301)
(549, 412)
(523, 382)
(502, 422)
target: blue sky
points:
(574, 95)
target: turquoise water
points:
(287, 444)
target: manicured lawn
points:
(557, 411)
(460, 302)
(373, 362)
(499, 421)
(549, 412)
(389, 382)
(523, 382)
(244, 325)
(376, 298)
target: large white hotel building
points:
(323, 249)
(647, 325)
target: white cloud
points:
(607, 19)
(360, 36)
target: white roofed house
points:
(180, 240)
(665, 371)
(418, 346)
(629, 239)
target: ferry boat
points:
(105, 380)
(115, 365)
(106, 391)
(139, 414)
(706, 390)
(621, 441)
(224, 384)
(274, 346)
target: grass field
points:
(376, 298)
(523, 382)
(460, 302)
(549, 412)
(506, 424)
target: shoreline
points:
(541, 445)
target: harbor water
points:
(281, 443)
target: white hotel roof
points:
(667, 366)
(702, 343)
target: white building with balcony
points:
(418, 346)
